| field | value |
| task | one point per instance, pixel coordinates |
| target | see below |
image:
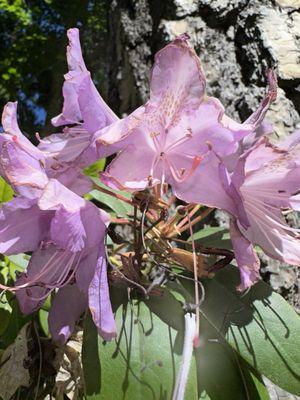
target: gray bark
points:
(236, 40)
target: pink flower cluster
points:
(181, 137)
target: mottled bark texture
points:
(237, 41)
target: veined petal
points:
(82, 102)
(22, 171)
(68, 152)
(269, 230)
(201, 128)
(264, 129)
(13, 133)
(116, 136)
(68, 304)
(134, 174)
(262, 154)
(95, 112)
(77, 225)
(72, 178)
(65, 147)
(246, 258)
(177, 80)
(21, 163)
(95, 222)
(290, 141)
(9, 119)
(37, 275)
(86, 270)
(205, 186)
(56, 196)
(272, 172)
(67, 230)
(257, 117)
(77, 70)
(22, 226)
(99, 302)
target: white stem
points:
(182, 377)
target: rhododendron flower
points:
(66, 234)
(171, 137)
(84, 107)
(71, 177)
(260, 126)
(13, 138)
(206, 186)
(268, 180)
(264, 183)
(181, 137)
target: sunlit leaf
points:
(95, 168)
(260, 325)
(6, 192)
(43, 319)
(222, 373)
(120, 207)
(142, 363)
(18, 262)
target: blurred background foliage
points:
(32, 53)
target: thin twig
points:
(122, 275)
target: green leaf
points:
(95, 168)
(213, 237)
(5, 313)
(43, 319)
(260, 325)
(118, 206)
(222, 373)
(16, 322)
(6, 192)
(18, 262)
(142, 363)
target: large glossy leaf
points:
(6, 192)
(142, 363)
(222, 373)
(261, 326)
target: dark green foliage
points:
(32, 53)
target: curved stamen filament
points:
(43, 273)
(259, 208)
(37, 278)
(156, 160)
(178, 142)
(63, 281)
(156, 141)
(196, 161)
